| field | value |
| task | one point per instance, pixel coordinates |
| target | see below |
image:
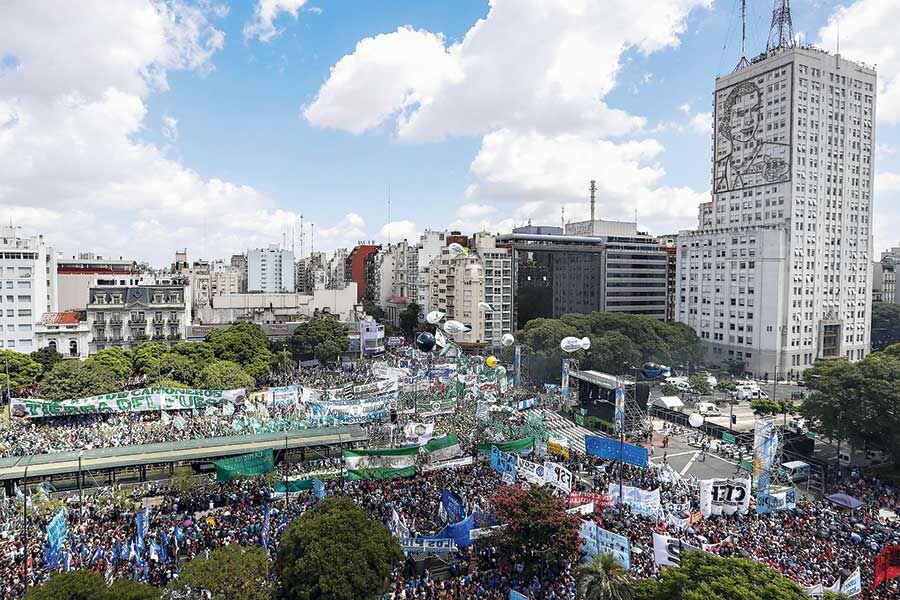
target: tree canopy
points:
(409, 318)
(224, 375)
(231, 572)
(335, 552)
(885, 324)
(324, 338)
(23, 369)
(603, 578)
(77, 379)
(620, 343)
(46, 357)
(702, 576)
(116, 359)
(539, 532)
(85, 585)
(246, 344)
(857, 402)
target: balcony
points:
(138, 319)
(115, 320)
(100, 337)
(158, 320)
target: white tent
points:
(670, 402)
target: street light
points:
(25, 523)
(80, 491)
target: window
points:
(73, 348)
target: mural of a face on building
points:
(748, 159)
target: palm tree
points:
(603, 579)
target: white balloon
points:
(501, 371)
(435, 316)
(585, 343)
(508, 339)
(486, 307)
(440, 339)
(456, 250)
(571, 344)
(453, 327)
(696, 420)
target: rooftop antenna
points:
(781, 32)
(312, 238)
(593, 202)
(562, 219)
(743, 62)
(389, 213)
(301, 236)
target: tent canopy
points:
(670, 402)
(845, 501)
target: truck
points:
(708, 409)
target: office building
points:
(355, 268)
(428, 248)
(779, 272)
(270, 270)
(27, 287)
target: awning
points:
(845, 501)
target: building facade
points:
(778, 273)
(270, 270)
(129, 316)
(428, 248)
(27, 287)
(355, 268)
(77, 275)
(67, 332)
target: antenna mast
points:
(743, 62)
(593, 202)
(781, 33)
(301, 236)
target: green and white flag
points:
(355, 474)
(381, 458)
(443, 448)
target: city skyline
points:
(325, 110)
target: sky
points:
(137, 127)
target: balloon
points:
(452, 327)
(435, 316)
(456, 250)
(508, 339)
(696, 420)
(585, 343)
(492, 361)
(570, 344)
(501, 371)
(425, 342)
(485, 307)
(439, 338)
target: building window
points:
(73, 348)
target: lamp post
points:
(25, 524)
(287, 495)
(80, 490)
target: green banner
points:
(245, 465)
(381, 458)
(729, 438)
(442, 442)
(144, 399)
(511, 446)
(294, 485)
(354, 474)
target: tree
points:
(724, 385)
(180, 367)
(668, 389)
(246, 344)
(147, 356)
(702, 576)
(85, 585)
(77, 379)
(374, 311)
(323, 338)
(200, 353)
(116, 359)
(539, 532)
(603, 579)
(23, 369)
(46, 357)
(613, 353)
(231, 572)
(700, 384)
(409, 318)
(224, 375)
(765, 406)
(335, 552)
(885, 324)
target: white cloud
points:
(701, 123)
(685, 108)
(345, 233)
(546, 173)
(71, 164)
(264, 14)
(887, 182)
(396, 231)
(170, 128)
(868, 33)
(542, 65)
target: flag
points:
(853, 585)
(319, 488)
(382, 458)
(887, 565)
(265, 528)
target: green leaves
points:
(84, 585)
(335, 551)
(77, 379)
(224, 375)
(231, 572)
(324, 339)
(23, 369)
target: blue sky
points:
(212, 126)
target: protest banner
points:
(611, 449)
(245, 465)
(724, 496)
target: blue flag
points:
(453, 506)
(319, 488)
(265, 529)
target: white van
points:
(750, 393)
(708, 409)
(795, 470)
(679, 382)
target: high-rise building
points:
(428, 248)
(239, 261)
(224, 278)
(669, 243)
(28, 280)
(616, 269)
(778, 273)
(270, 270)
(335, 270)
(356, 271)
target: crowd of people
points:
(815, 543)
